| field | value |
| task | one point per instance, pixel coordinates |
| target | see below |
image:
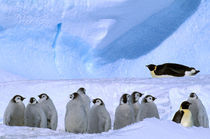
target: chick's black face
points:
(73, 96)
(149, 98)
(151, 67)
(33, 100)
(185, 105)
(43, 96)
(98, 101)
(193, 95)
(135, 96)
(81, 89)
(124, 99)
(17, 98)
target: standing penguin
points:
(49, 110)
(34, 115)
(98, 119)
(82, 92)
(170, 70)
(124, 114)
(14, 113)
(148, 108)
(183, 115)
(76, 116)
(199, 114)
(135, 102)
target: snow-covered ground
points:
(170, 92)
(101, 39)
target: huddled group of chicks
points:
(80, 118)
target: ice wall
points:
(46, 39)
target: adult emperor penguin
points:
(199, 114)
(14, 113)
(82, 92)
(76, 116)
(183, 115)
(124, 113)
(34, 115)
(148, 108)
(135, 102)
(49, 110)
(171, 70)
(98, 119)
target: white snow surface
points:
(74, 39)
(170, 92)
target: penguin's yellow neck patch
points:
(187, 118)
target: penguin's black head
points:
(185, 105)
(135, 96)
(82, 90)
(148, 99)
(43, 96)
(98, 101)
(125, 99)
(193, 96)
(74, 95)
(33, 100)
(151, 67)
(17, 98)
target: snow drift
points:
(101, 39)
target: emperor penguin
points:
(135, 102)
(171, 70)
(199, 114)
(34, 115)
(82, 92)
(98, 119)
(183, 115)
(49, 110)
(124, 113)
(76, 116)
(148, 108)
(14, 113)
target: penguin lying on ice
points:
(171, 70)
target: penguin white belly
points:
(159, 76)
(187, 119)
(189, 73)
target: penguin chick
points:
(171, 70)
(98, 119)
(76, 116)
(14, 113)
(148, 108)
(82, 92)
(135, 102)
(183, 115)
(49, 110)
(34, 115)
(124, 113)
(199, 114)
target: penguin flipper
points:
(178, 116)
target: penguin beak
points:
(147, 66)
(23, 98)
(154, 98)
(39, 96)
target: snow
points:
(170, 92)
(82, 39)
